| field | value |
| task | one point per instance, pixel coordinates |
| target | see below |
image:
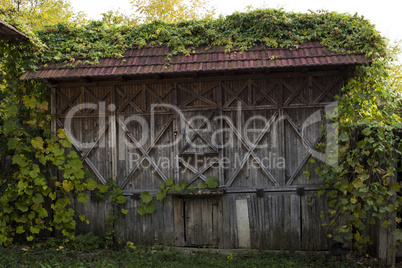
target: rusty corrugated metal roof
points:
(152, 60)
(8, 32)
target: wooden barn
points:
(250, 119)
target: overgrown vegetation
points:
(149, 207)
(368, 119)
(55, 255)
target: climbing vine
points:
(275, 28)
(149, 207)
(362, 187)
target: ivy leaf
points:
(20, 230)
(169, 182)
(22, 207)
(150, 208)
(37, 143)
(82, 198)
(201, 185)
(61, 133)
(67, 186)
(9, 126)
(191, 187)
(37, 199)
(367, 131)
(398, 234)
(12, 143)
(124, 211)
(146, 197)
(141, 210)
(82, 217)
(34, 230)
(212, 183)
(53, 195)
(66, 143)
(91, 184)
(121, 199)
(160, 195)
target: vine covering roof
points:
(152, 60)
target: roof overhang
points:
(8, 32)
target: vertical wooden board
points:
(314, 235)
(168, 227)
(294, 218)
(189, 235)
(216, 222)
(179, 227)
(229, 234)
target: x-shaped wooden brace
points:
(235, 95)
(99, 101)
(144, 152)
(69, 102)
(84, 156)
(307, 156)
(154, 142)
(295, 93)
(325, 91)
(264, 93)
(197, 173)
(159, 99)
(129, 101)
(196, 132)
(250, 151)
(197, 95)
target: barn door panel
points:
(280, 222)
(199, 152)
(253, 148)
(84, 115)
(202, 221)
(301, 139)
(145, 135)
(145, 160)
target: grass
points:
(85, 251)
(163, 257)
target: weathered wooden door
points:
(202, 222)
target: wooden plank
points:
(179, 227)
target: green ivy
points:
(275, 28)
(149, 207)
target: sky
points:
(385, 14)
